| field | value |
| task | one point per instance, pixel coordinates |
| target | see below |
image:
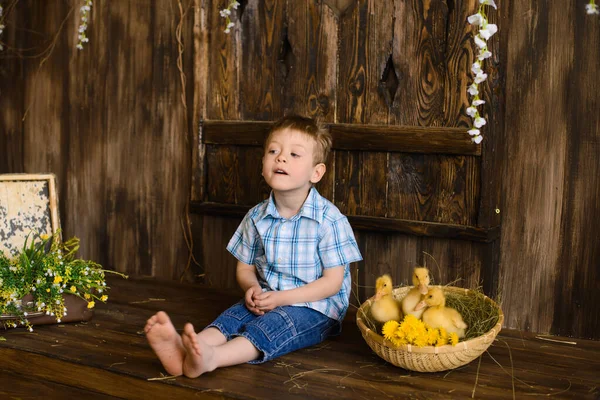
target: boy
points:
(293, 251)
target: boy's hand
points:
(267, 301)
(250, 297)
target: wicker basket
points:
(427, 358)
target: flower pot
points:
(76, 311)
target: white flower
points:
(25, 314)
(476, 19)
(478, 102)
(489, 3)
(476, 68)
(471, 111)
(592, 8)
(230, 25)
(480, 42)
(480, 77)
(479, 122)
(473, 91)
(483, 54)
(474, 132)
(488, 31)
(235, 4)
(477, 139)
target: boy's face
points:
(288, 163)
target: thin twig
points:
(50, 49)
(476, 377)
(556, 340)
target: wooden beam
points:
(378, 224)
(356, 137)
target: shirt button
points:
(279, 259)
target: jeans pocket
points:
(275, 323)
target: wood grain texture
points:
(200, 89)
(375, 224)
(537, 133)
(110, 356)
(12, 87)
(262, 69)
(363, 137)
(576, 296)
(109, 122)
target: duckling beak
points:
(422, 288)
(421, 305)
(378, 295)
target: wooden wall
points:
(110, 122)
(375, 63)
(550, 234)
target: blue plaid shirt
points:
(289, 253)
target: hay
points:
(479, 314)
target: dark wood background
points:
(116, 127)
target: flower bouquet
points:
(45, 283)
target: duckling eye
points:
(385, 284)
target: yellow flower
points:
(58, 279)
(48, 290)
(73, 288)
(91, 304)
(453, 339)
(104, 298)
(44, 236)
(86, 296)
(389, 328)
(432, 336)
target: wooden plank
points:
(534, 189)
(436, 188)
(25, 386)
(354, 137)
(12, 102)
(311, 80)
(263, 61)
(200, 77)
(406, 139)
(418, 228)
(576, 296)
(418, 54)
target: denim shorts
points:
(277, 332)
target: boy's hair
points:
(309, 127)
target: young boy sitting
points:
(293, 251)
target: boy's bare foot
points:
(199, 356)
(166, 342)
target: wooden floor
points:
(108, 357)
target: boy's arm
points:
(327, 285)
(246, 277)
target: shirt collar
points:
(312, 208)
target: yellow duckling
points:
(437, 315)
(420, 281)
(384, 307)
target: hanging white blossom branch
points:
(85, 12)
(486, 30)
(226, 13)
(1, 26)
(592, 7)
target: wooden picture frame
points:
(28, 209)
